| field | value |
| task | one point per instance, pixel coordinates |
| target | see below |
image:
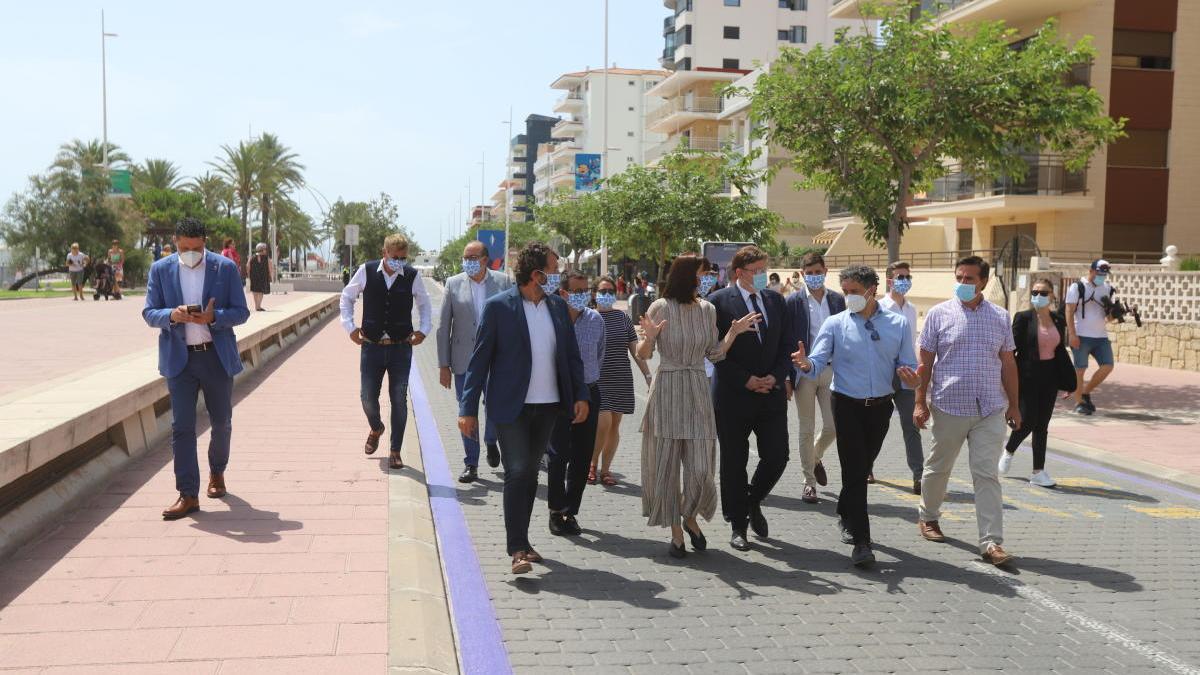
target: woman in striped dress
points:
(616, 380)
(679, 428)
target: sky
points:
(400, 97)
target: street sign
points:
(121, 184)
(352, 235)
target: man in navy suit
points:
(195, 298)
(808, 309)
(748, 393)
(527, 359)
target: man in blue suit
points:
(527, 359)
(195, 298)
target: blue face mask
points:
(606, 300)
(965, 292)
(472, 267)
(1039, 301)
(395, 264)
(902, 286)
(760, 281)
(579, 301)
(706, 284)
(814, 281)
(1101, 278)
(552, 282)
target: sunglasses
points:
(871, 327)
(903, 277)
(1044, 294)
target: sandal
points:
(607, 479)
(394, 462)
(372, 443)
(591, 479)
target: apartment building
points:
(581, 129)
(524, 152)
(1135, 196)
(710, 44)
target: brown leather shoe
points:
(996, 555)
(182, 507)
(216, 486)
(819, 473)
(520, 564)
(930, 530)
(870, 479)
(394, 460)
(533, 556)
(372, 443)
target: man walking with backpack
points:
(1087, 303)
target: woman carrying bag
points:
(1044, 369)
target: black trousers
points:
(522, 444)
(860, 433)
(735, 423)
(1038, 394)
(570, 455)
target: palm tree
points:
(278, 173)
(159, 174)
(240, 169)
(78, 155)
(296, 230)
(214, 191)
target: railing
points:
(838, 210)
(683, 144)
(686, 104)
(1046, 176)
(946, 259)
(668, 25)
(570, 96)
(938, 7)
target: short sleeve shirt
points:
(75, 262)
(1089, 312)
(967, 344)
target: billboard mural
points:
(495, 242)
(587, 172)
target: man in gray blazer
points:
(462, 308)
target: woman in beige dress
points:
(679, 429)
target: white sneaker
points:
(1006, 458)
(1042, 479)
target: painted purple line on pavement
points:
(1145, 482)
(479, 638)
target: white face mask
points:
(856, 303)
(190, 258)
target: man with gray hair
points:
(258, 268)
(867, 347)
(462, 308)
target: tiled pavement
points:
(286, 574)
(1105, 579)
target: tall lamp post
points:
(507, 187)
(604, 156)
(104, 87)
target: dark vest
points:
(387, 310)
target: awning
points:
(826, 237)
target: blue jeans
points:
(203, 372)
(394, 361)
(1098, 347)
(522, 444)
(471, 445)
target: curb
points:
(1181, 482)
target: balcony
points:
(572, 102)
(959, 11)
(681, 111)
(667, 60)
(687, 144)
(1047, 186)
(668, 25)
(567, 129)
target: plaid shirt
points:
(968, 343)
(589, 333)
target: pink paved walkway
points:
(43, 339)
(1121, 425)
(287, 574)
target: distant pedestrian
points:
(1044, 368)
(167, 251)
(229, 250)
(900, 281)
(116, 260)
(527, 359)
(1087, 303)
(621, 288)
(345, 276)
(616, 381)
(77, 263)
(679, 429)
(260, 270)
(197, 352)
(390, 288)
(967, 361)
(867, 347)
(774, 284)
(571, 444)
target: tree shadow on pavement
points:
(244, 522)
(595, 584)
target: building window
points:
(630, 108)
(629, 134)
(685, 64)
(632, 83)
(733, 3)
(1142, 148)
(683, 36)
(794, 5)
(628, 159)
(731, 64)
(785, 35)
(732, 32)
(799, 35)
(1142, 49)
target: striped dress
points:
(680, 429)
(616, 374)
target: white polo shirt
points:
(1093, 324)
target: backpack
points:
(1080, 288)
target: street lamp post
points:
(604, 156)
(507, 187)
(104, 88)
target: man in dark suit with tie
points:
(526, 360)
(748, 393)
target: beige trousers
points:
(984, 437)
(809, 395)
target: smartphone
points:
(193, 309)
(1011, 424)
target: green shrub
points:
(137, 266)
(1189, 265)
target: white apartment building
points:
(581, 130)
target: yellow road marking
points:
(1169, 512)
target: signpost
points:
(351, 241)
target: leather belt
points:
(202, 347)
(386, 341)
(868, 402)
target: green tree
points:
(163, 207)
(376, 219)
(216, 193)
(871, 122)
(78, 157)
(161, 174)
(576, 220)
(239, 169)
(279, 171)
(53, 212)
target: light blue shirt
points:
(862, 367)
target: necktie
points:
(758, 310)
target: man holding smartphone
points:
(390, 288)
(195, 298)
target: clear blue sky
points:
(396, 96)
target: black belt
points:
(385, 342)
(202, 347)
(868, 402)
